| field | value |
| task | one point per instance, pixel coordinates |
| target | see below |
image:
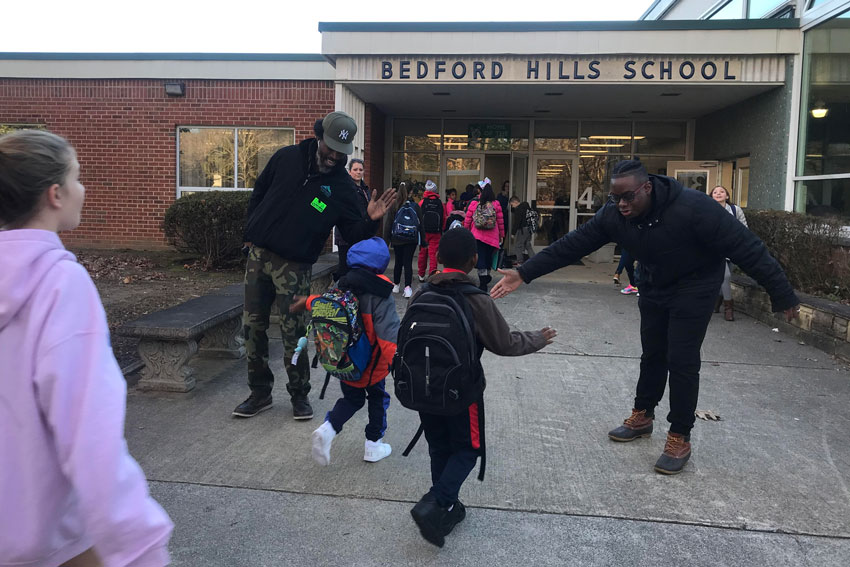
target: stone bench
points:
(210, 326)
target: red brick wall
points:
(124, 132)
(374, 147)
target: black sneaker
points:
(453, 517)
(430, 517)
(301, 408)
(253, 405)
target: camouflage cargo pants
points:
(269, 279)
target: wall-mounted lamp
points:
(175, 89)
(820, 110)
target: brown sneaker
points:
(676, 453)
(634, 427)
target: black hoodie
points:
(292, 211)
(680, 243)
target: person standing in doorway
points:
(433, 215)
(487, 223)
(303, 192)
(721, 195)
(406, 233)
(680, 237)
(355, 170)
(522, 228)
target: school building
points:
(750, 94)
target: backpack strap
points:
(481, 441)
(325, 386)
(734, 211)
(413, 441)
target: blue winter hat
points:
(371, 254)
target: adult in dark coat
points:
(355, 170)
(303, 192)
(681, 239)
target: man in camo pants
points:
(302, 193)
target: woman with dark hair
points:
(487, 223)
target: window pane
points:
(256, 147)
(416, 135)
(206, 157)
(760, 8)
(824, 197)
(656, 165)
(734, 10)
(555, 135)
(606, 138)
(594, 182)
(503, 135)
(825, 113)
(414, 170)
(660, 138)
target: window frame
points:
(180, 189)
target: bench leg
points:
(224, 340)
(165, 365)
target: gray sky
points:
(254, 26)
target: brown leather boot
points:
(676, 453)
(634, 427)
(729, 310)
(718, 303)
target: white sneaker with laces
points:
(322, 438)
(395, 288)
(422, 278)
(408, 291)
(376, 450)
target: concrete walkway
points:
(767, 485)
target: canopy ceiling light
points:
(820, 110)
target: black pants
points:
(671, 334)
(453, 444)
(353, 399)
(403, 259)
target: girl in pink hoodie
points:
(487, 223)
(71, 494)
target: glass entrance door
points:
(553, 195)
(461, 170)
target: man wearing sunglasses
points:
(681, 238)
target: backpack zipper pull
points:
(428, 371)
(412, 325)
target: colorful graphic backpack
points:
(484, 217)
(342, 348)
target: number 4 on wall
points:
(586, 198)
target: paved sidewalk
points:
(768, 485)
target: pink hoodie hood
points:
(67, 483)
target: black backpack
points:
(437, 367)
(432, 215)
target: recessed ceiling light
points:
(448, 110)
(671, 94)
(542, 111)
(553, 94)
(639, 111)
(442, 93)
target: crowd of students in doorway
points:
(419, 219)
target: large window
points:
(823, 160)
(226, 158)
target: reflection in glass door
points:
(553, 195)
(461, 170)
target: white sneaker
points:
(408, 291)
(422, 278)
(376, 450)
(395, 288)
(322, 438)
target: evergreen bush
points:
(210, 224)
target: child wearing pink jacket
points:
(71, 494)
(489, 238)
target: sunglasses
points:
(627, 196)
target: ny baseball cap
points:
(339, 132)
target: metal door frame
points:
(532, 176)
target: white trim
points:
(822, 177)
(794, 129)
(817, 16)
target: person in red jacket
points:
(433, 217)
(368, 259)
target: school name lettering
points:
(561, 70)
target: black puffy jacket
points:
(292, 211)
(681, 244)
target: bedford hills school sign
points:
(558, 69)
